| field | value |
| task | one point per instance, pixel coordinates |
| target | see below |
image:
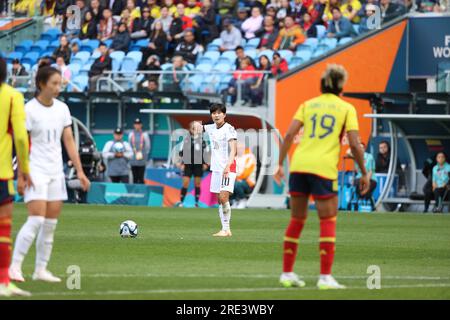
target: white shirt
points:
(45, 126)
(220, 150)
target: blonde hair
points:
(333, 79)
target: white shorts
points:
(219, 184)
(48, 188)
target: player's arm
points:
(293, 129)
(358, 155)
(106, 151)
(232, 143)
(128, 151)
(69, 143)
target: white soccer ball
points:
(128, 229)
(118, 147)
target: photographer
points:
(117, 153)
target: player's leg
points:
(438, 198)
(299, 213)
(226, 189)
(216, 181)
(44, 242)
(197, 184)
(186, 180)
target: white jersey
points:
(45, 126)
(220, 150)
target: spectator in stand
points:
(242, 15)
(122, 39)
(245, 175)
(428, 6)
(135, 12)
(140, 144)
(363, 26)
(316, 11)
(226, 8)
(268, 34)
(362, 12)
(166, 19)
(71, 30)
(88, 28)
(441, 173)
(101, 64)
(75, 48)
(383, 158)
(155, 10)
(60, 10)
(188, 48)
(179, 24)
(66, 74)
(257, 89)
(83, 9)
(157, 44)
(192, 9)
(126, 18)
(18, 70)
(172, 81)
(390, 11)
(290, 36)
(117, 153)
(142, 27)
(231, 36)
(279, 65)
(284, 10)
(63, 50)
(172, 9)
(271, 10)
(308, 26)
(47, 7)
(340, 26)
(116, 6)
(328, 15)
(252, 23)
(240, 56)
(242, 79)
(151, 64)
(206, 21)
(106, 27)
(350, 9)
(96, 11)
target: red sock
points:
(5, 249)
(291, 237)
(327, 244)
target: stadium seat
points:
(356, 28)
(31, 58)
(128, 67)
(135, 55)
(192, 83)
(24, 46)
(311, 43)
(138, 45)
(267, 52)
(84, 71)
(89, 45)
(81, 58)
(166, 66)
(53, 45)
(321, 31)
(214, 45)
(252, 53)
(46, 54)
(210, 57)
(27, 66)
(40, 45)
(204, 67)
(117, 58)
(210, 83)
(243, 42)
(286, 54)
(222, 67)
(14, 55)
(81, 82)
(295, 61)
(330, 42)
(318, 53)
(345, 40)
(252, 43)
(96, 54)
(228, 57)
(305, 55)
(108, 42)
(51, 34)
(74, 69)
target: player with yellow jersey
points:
(12, 127)
(314, 171)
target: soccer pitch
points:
(175, 256)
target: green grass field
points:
(175, 256)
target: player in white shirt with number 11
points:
(223, 138)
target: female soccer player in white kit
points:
(223, 138)
(48, 121)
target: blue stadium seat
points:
(210, 57)
(14, 55)
(135, 55)
(321, 31)
(356, 28)
(318, 53)
(204, 67)
(46, 54)
(305, 55)
(222, 67)
(166, 66)
(129, 65)
(228, 57)
(117, 58)
(74, 69)
(295, 61)
(53, 45)
(24, 46)
(330, 42)
(31, 58)
(51, 34)
(286, 54)
(40, 45)
(243, 42)
(209, 84)
(84, 71)
(345, 40)
(27, 66)
(193, 83)
(108, 42)
(267, 52)
(81, 82)
(214, 45)
(252, 53)
(311, 43)
(89, 45)
(81, 58)
(96, 54)
(138, 45)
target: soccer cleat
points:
(45, 275)
(179, 204)
(328, 282)
(11, 290)
(290, 279)
(16, 275)
(222, 233)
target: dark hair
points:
(276, 54)
(217, 107)
(239, 48)
(443, 153)
(101, 44)
(268, 61)
(44, 74)
(333, 79)
(386, 143)
(153, 80)
(3, 70)
(335, 8)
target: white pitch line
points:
(208, 290)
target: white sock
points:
(25, 239)
(226, 217)
(44, 243)
(221, 214)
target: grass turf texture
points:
(175, 256)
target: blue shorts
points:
(6, 191)
(305, 184)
